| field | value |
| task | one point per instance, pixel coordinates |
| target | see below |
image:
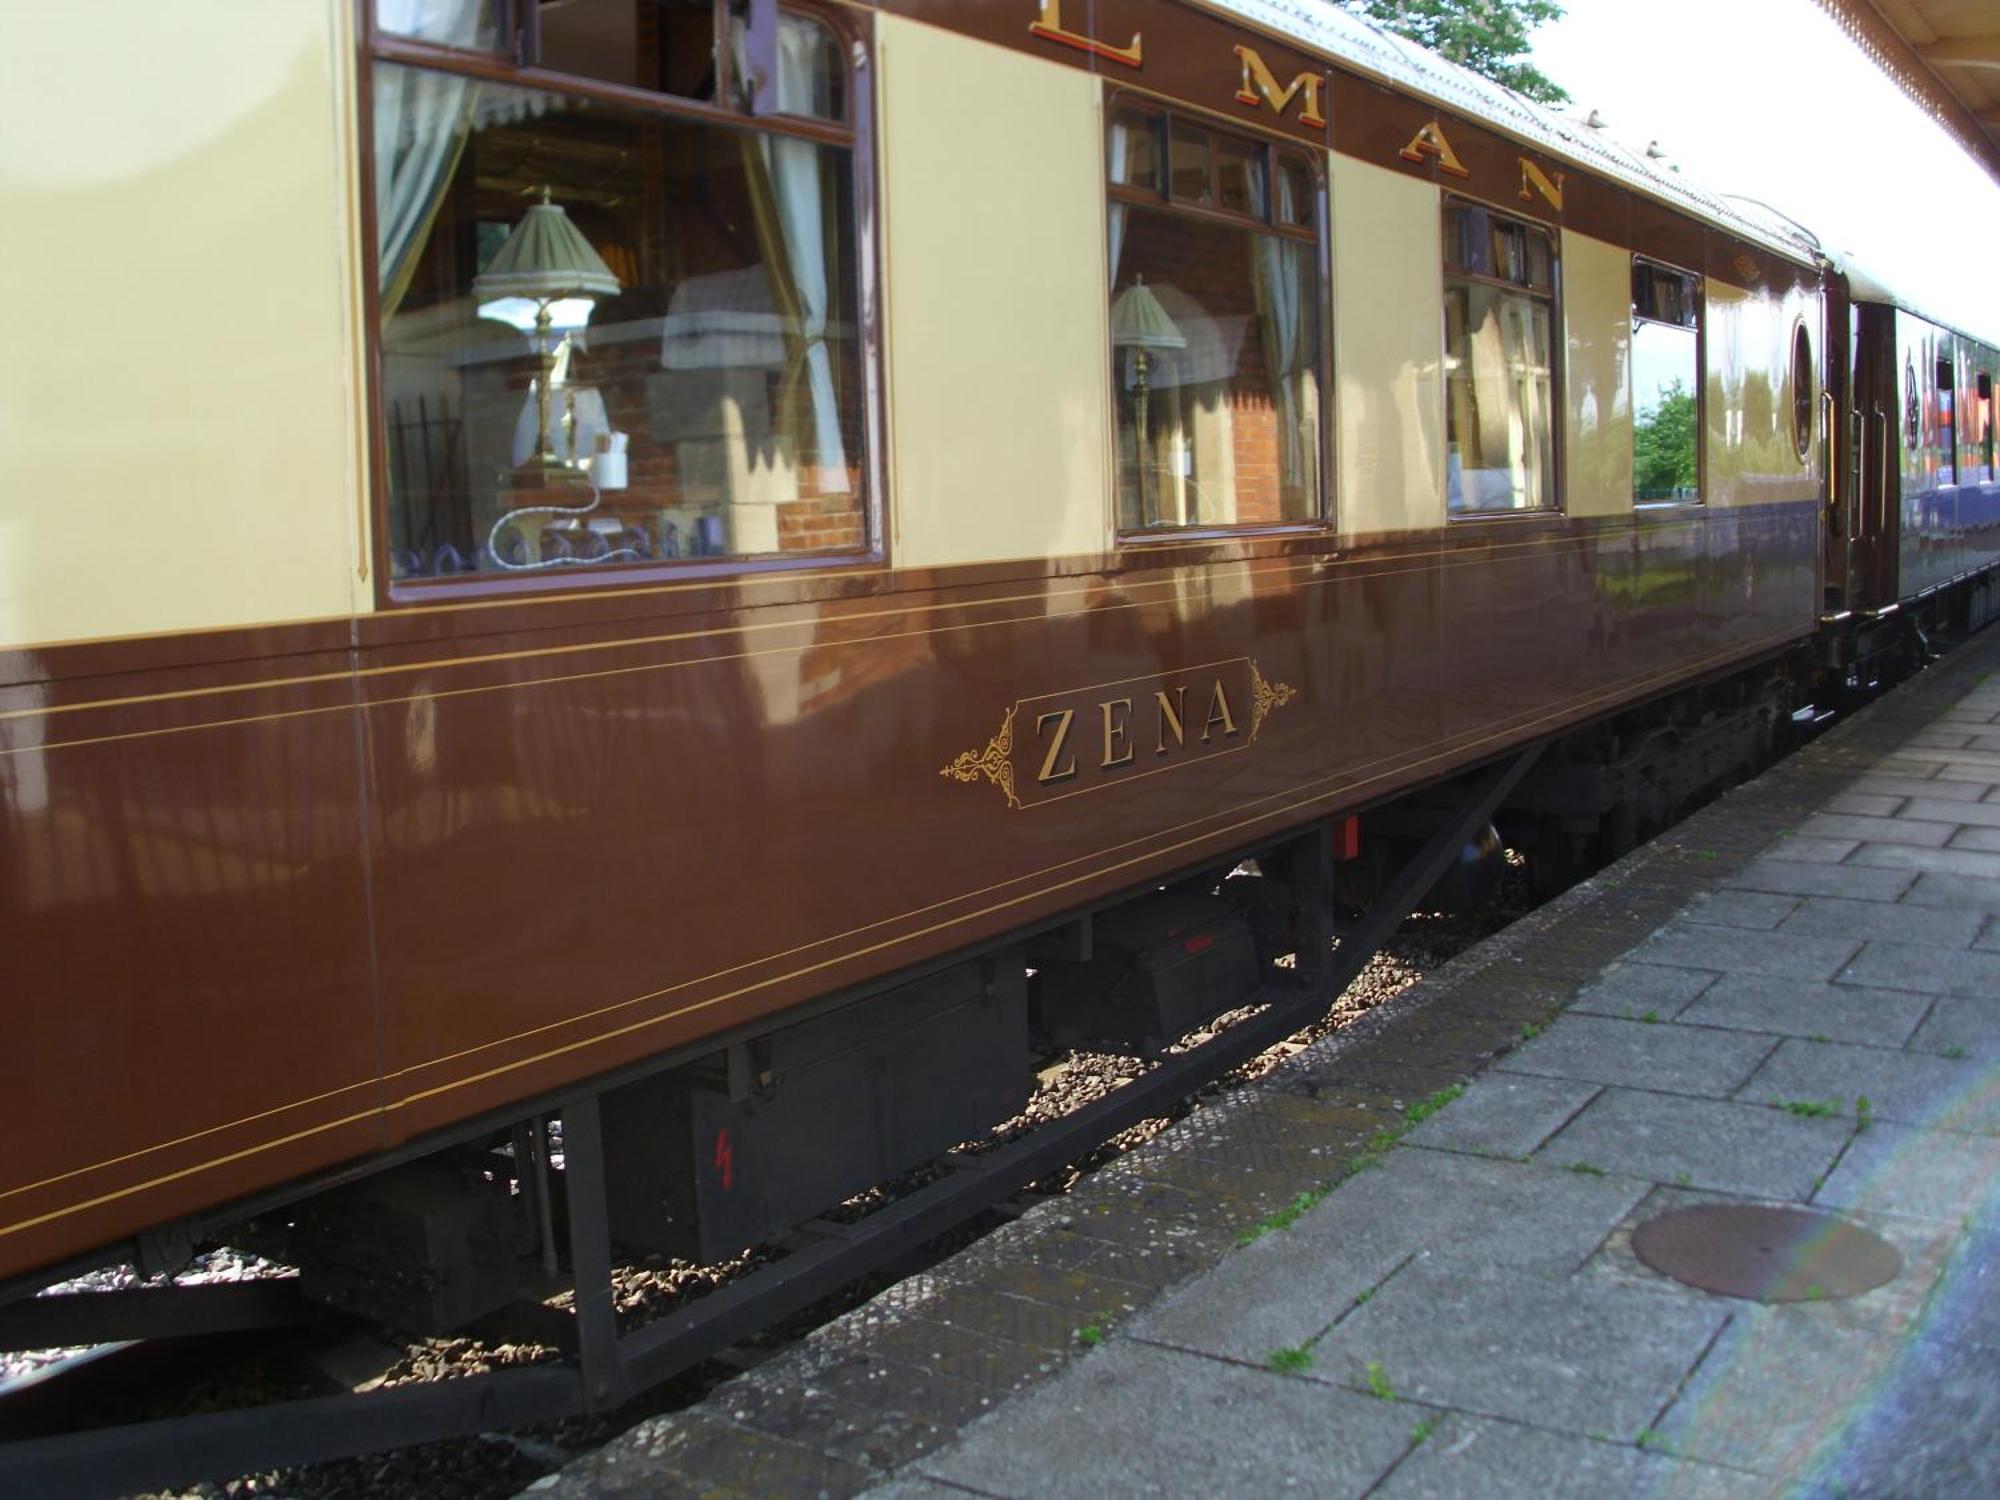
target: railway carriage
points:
(667, 553)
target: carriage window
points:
(1666, 385)
(611, 334)
(1499, 317)
(1802, 392)
(1981, 437)
(1215, 326)
(1947, 424)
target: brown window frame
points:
(1317, 233)
(1448, 271)
(511, 63)
(1699, 309)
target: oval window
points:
(1802, 391)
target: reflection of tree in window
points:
(1499, 312)
(1664, 465)
(1215, 327)
(1666, 381)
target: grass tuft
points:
(1378, 1382)
(1294, 1359)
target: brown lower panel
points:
(265, 928)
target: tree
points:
(1487, 36)
(1664, 461)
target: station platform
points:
(1417, 1261)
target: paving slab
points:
(1135, 1420)
(1961, 1028)
(1945, 861)
(1874, 784)
(1917, 966)
(1560, 1355)
(1929, 1174)
(1948, 810)
(1802, 879)
(1940, 1092)
(1810, 1008)
(1776, 1390)
(1913, 1437)
(1505, 1114)
(1903, 830)
(1471, 1456)
(1884, 921)
(1637, 989)
(1429, 1208)
(1787, 956)
(1950, 889)
(1675, 1059)
(1757, 910)
(1709, 1143)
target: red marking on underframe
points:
(725, 1158)
(1347, 839)
(1199, 943)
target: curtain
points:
(1279, 286)
(1120, 151)
(786, 196)
(421, 122)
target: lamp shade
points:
(545, 257)
(1139, 322)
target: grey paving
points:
(1677, 1059)
(1557, 1354)
(1758, 910)
(1946, 861)
(1915, 1438)
(1967, 1030)
(1733, 1148)
(1777, 953)
(1884, 921)
(1793, 877)
(1900, 1169)
(1916, 966)
(1505, 1114)
(1636, 989)
(1209, 1429)
(1810, 1008)
(1906, 1087)
(1469, 1456)
(1950, 889)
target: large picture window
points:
(1215, 326)
(1666, 385)
(1500, 397)
(613, 333)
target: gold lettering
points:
(1172, 715)
(1535, 180)
(1430, 142)
(1218, 713)
(1260, 86)
(1050, 771)
(1117, 729)
(1049, 27)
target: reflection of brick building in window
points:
(1215, 419)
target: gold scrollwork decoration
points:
(1265, 696)
(995, 762)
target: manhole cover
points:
(1767, 1254)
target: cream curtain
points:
(421, 121)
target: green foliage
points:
(1423, 1430)
(1811, 1109)
(1292, 1360)
(1090, 1335)
(1285, 1217)
(1378, 1382)
(1488, 36)
(1424, 1108)
(1664, 464)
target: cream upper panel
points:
(998, 318)
(1747, 395)
(1388, 343)
(1597, 390)
(177, 408)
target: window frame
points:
(1700, 331)
(1558, 343)
(1318, 234)
(852, 31)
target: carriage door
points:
(1873, 459)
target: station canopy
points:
(1945, 54)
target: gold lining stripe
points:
(1482, 555)
(1344, 787)
(1455, 561)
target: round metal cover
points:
(1768, 1254)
